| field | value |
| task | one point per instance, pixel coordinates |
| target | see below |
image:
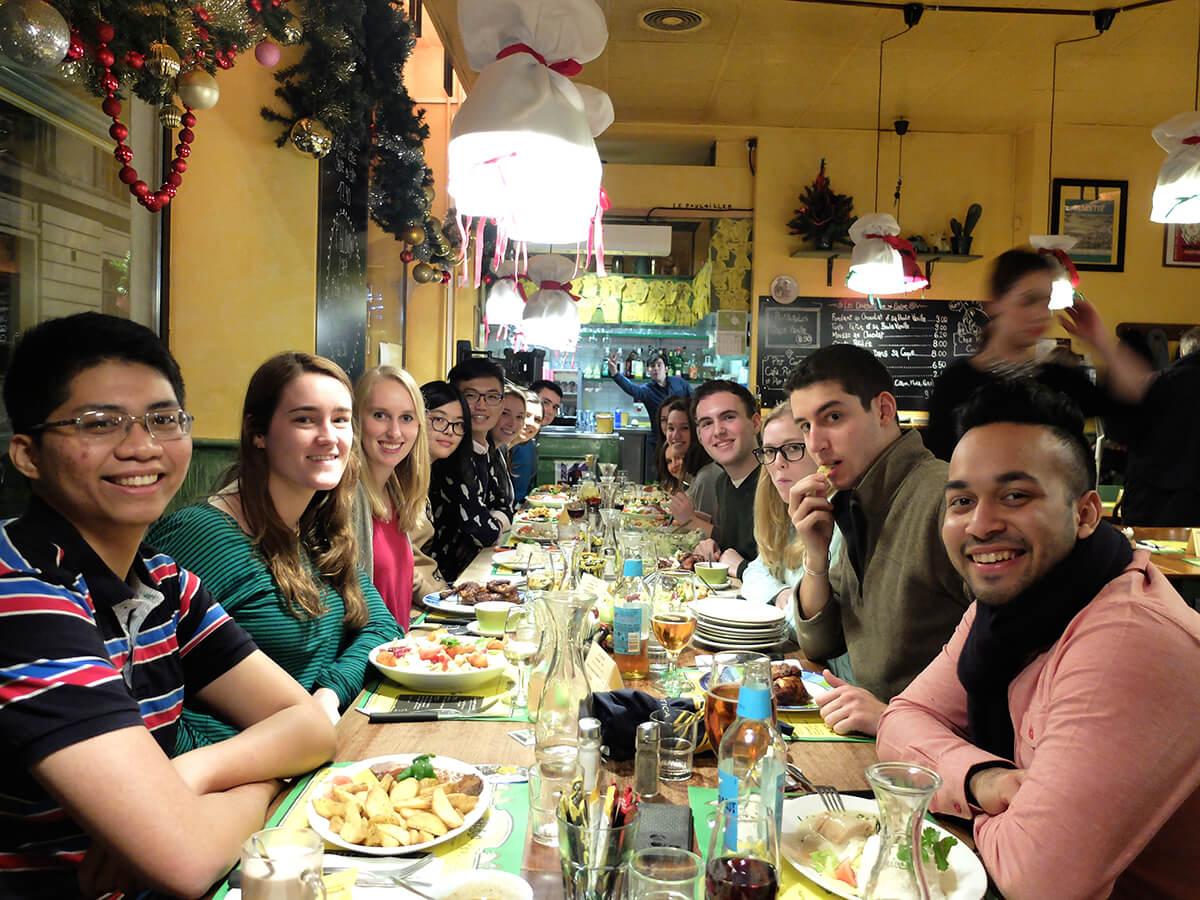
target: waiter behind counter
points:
(658, 390)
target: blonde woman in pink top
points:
(1062, 714)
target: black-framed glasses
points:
(442, 424)
(491, 398)
(161, 424)
(792, 452)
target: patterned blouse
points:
(471, 515)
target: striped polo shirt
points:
(84, 653)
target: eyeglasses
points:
(491, 398)
(793, 452)
(160, 424)
(442, 424)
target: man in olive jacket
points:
(891, 598)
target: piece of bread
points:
(825, 470)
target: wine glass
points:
(743, 852)
(520, 647)
(673, 623)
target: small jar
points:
(645, 764)
(589, 752)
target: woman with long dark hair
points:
(680, 455)
(1018, 309)
(276, 544)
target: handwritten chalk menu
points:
(342, 258)
(915, 339)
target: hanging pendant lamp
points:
(1177, 192)
(1066, 278)
(521, 150)
(506, 298)
(882, 262)
(551, 317)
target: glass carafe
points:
(565, 696)
(903, 791)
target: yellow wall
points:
(243, 251)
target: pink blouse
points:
(393, 575)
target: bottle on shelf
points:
(629, 363)
(631, 613)
(693, 367)
(639, 365)
(752, 757)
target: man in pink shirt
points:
(1062, 714)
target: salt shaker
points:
(589, 751)
(645, 764)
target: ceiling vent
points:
(673, 20)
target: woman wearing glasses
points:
(772, 577)
(394, 482)
(276, 544)
(470, 493)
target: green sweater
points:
(318, 652)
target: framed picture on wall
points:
(1093, 212)
(1181, 245)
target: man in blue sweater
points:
(660, 388)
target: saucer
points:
(473, 628)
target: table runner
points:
(497, 841)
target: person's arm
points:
(461, 510)
(1103, 737)
(426, 578)
(812, 517)
(121, 789)
(1127, 374)
(346, 674)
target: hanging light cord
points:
(879, 107)
(1053, 99)
(899, 178)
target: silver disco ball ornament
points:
(33, 34)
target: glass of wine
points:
(743, 853)
(520, 647)
(721, 691)
(673, 623)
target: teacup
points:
(491, 615)
(713, 573)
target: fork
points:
(828, 793)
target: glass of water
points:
(665, 873)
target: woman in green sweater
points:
(276, 545)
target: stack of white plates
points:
(727, 623)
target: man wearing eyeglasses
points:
(102, 638)
(891, 598)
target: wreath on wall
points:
(346, 92)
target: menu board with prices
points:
(914, 339)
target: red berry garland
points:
(152, 200)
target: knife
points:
(427, 715)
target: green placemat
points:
(381, 695)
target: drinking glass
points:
(673, 623)
(665, 873)
(721, 692)
(595, 861)
(520, 647)
(743, 853)
(680, 733)
(547, 782)
(283, 864)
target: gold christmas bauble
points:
(414, 234)
(423, 273)
(292, 33)
(430, 193)
(170, 116)
(312, 137)
(162, 60)
(197, 89)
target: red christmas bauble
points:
(128, 175)
(169, 190)
(256, 5)
(174, 179)
(118, 132)
(445, 278)
(162, 198)
(75, 50)
(105, 33)
(186, 136)
(111, 107)
(188, 119)
(179, 166)
(225, 62)
(109, 83)
(134, 60)
(406, 256)
(123, 154)
(201, 13)
(151, 203)
(183, 151)
(139, 189)
(105, 57)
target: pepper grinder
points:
(645, 765)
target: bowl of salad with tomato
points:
(440, 662)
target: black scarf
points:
(1004, 639)
(851, 521)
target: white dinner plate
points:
(448, 606)
(737, 612)
(965, 879)
(517, 560)
(445, 764)
(736, 645)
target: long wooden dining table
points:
(488, 742)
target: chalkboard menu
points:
(342, 258)
(915, 339)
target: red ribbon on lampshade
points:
(1065, 261)
(564, 286)
(908, 256)
(568, 67)
(1194, 139)
(517, 283)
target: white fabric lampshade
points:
(1177, 192)
(1062, 291)
(505, 305)
(521, 149)
(551, 317)
(875, 266)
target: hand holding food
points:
(812, 514)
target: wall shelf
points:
(927, 258)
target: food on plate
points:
(842, 845)
(537, 514)
(685, 561)
(468, 593)
(397, 806)
(440, 652)
(788, 685)
(825, 470)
